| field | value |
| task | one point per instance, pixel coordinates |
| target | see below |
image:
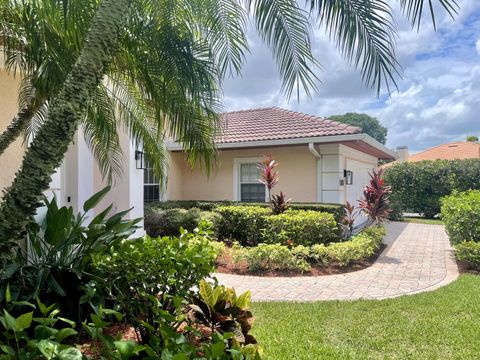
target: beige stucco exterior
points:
(11, 159)
(304, 176)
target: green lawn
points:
(444, 324)
(422, 220)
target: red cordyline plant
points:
(269, 177)
(375, 203)
(347, 221)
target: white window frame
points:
(237, 162)
(149, 169)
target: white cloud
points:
(438, 94)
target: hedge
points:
(336, 209)
(159, 222)
(461, 214)
(359, 247)
(242, 223)
(268, 257)
(251, 225)
(300, 227)
(419, 186)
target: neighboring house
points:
(319, 160)
(450, 151)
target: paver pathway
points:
(418, 258)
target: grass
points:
(422, 220)
(443, 324)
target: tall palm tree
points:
(364, 31)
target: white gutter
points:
(316, 154)
(297, 141)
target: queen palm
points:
(363, 29)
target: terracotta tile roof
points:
(450, 151)
(275, 123)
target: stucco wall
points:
(11, 159)
(297, 170)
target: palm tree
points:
(364, 31)
(35, 35)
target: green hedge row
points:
(461, 214)
(268, 257)
(419, 186)
(254, 224)
(336, 209)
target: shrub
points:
(35, 337)
(375, 203)
(168, 222)
(460, 212)
(242, 223)
(56, 265)
(469, 252)
(138, 271)
(302, 227)
(273, 257)
(419, 186)
(220, 309)
(335, 209)
(360, 247)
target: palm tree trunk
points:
(18, 124)
(47, 150)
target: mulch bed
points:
(226, 265)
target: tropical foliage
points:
(375, 202)
(56, 263)
(364, 32)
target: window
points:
(250, 189)
(151, 186)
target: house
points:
(451, 151)
(319, 160)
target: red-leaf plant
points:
(280, 203)
(269, 177)
(347, 221)
(375, 203)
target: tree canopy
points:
(369, 124)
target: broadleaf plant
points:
(375, 203)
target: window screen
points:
(151, 186)
(250, 189)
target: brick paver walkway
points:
(418, 258)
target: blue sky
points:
(439, 93)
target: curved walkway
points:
(418, 258)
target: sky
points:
(438, 97)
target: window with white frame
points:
(250, 190)
(151, 185)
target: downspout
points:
(316, 154)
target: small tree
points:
(472, 138)
(269, 177)
(375, 203)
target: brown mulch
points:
(226, 265)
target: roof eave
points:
(388, 154)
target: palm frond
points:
(414, 9)
(284, 26)
(101, 134)
(364, 32)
